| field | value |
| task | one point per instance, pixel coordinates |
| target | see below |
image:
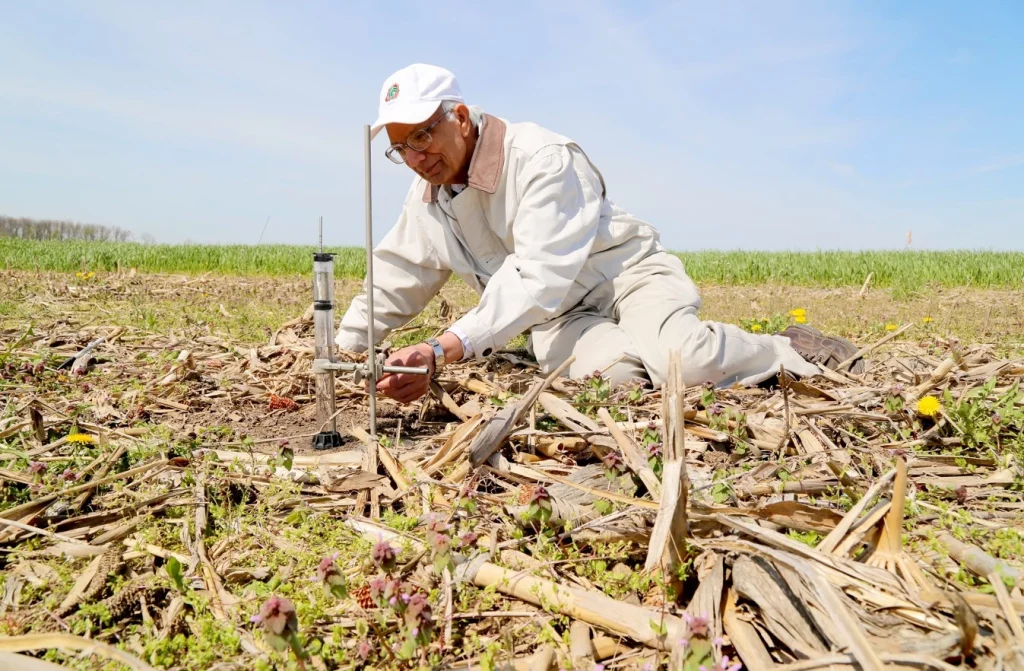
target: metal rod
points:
(404, 370)
(321, 235)
(370, 344)
(323, 365)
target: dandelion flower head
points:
(929, 406)
(81, 439)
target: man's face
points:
(446, 159)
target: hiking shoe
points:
(829, 351)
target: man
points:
(522, 216)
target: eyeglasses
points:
(417, 141)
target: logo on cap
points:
(392, 93)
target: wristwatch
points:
(438, 353)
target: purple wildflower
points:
(697, 625)
(384, 556)
(439, 542)
(332, 578)
(540, 496)
(613, 464)
(418, 616)
(377, 586)
(436, 524)
(278, 617)
(724, 665)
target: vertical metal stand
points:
(371, 349)
(323, 331)
(324, 366)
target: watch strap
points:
(438, 352)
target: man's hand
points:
(403, 387)
(406, 388)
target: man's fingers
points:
(402, 395)
(406, 390)
(410, 394)
(390, 387)
(405, 399)
(401, 359)
(397, 381)
(403, 388)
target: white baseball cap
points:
(413, 94)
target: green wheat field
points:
(905, 270)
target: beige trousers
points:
(626, 327)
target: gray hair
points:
(475, 113)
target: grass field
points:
(248, 309)
(900, 270)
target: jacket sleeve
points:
(554, 230)
(407, 274)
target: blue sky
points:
(760, 125)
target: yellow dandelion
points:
(756, 328)
(890, 327)
(929, 406)
(79, 274)
(81, 439)
(798, 312)
(927, 320)
(89, 275)
(800, 320)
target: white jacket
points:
(532, 234)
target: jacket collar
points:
(488, 160)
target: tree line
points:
(49, 229)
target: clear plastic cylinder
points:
(323, 332)
(323, 280)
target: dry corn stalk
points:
(888, 552)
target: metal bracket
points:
(362, 370)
